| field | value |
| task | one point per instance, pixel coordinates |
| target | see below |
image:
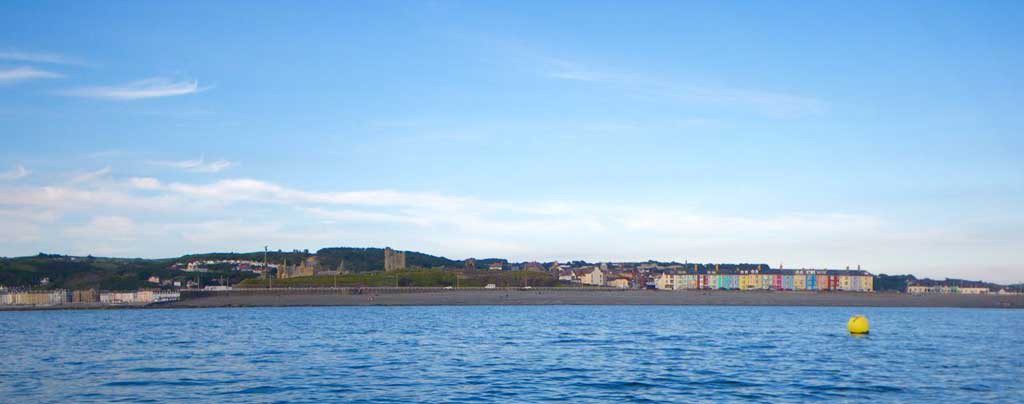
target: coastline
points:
(604, 297)
(517, 297)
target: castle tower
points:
(393, 260)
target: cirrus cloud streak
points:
(24, 73)
(143, 89)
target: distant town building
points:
(765, 279)
(945, 289)
(234, 265)
(393, 260)
(35, 298)
(497, 266)
(593, 276)
(195, 266)
(47, 297)
(138, 297)
(949, 286)
(621, 283)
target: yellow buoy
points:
(858, 325)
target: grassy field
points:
(420, 278)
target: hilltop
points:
(52, 271)
(372, 259)
(55, 271)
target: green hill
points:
(70, 272)
(272, 256)
(372, 259)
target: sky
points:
(805, 134)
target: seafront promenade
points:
(575, 296)
(428, 296)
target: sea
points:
(512, 354)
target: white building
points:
(593, 276)
(138, 297)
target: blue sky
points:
(814, 135)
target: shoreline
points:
(605, 297)
(516, 297)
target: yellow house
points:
(621, 283)
(748, 281)
(665, 282)
(867, 283)
(799, 282)
(844, 282)
(593, 277)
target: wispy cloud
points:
(771, 103)
(565, 70)
(15, 173)
(767, 102)
(137, 90)
(144, 182)
(250, 190)
(197, 166)
(88, 176)
(41, 57)
(23, 73)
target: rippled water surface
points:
(535, 353)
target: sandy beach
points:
(584, 297)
